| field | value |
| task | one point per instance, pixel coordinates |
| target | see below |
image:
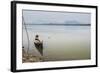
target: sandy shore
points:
(27, 58)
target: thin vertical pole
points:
(26, 33)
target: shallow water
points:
(60, 42)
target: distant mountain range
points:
(72, 22)
(67, 23)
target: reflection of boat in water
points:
(39, 47)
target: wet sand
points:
(28, 58)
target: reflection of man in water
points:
(38, 44)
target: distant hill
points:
(67, 23)
(72, 22)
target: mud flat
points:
(28, 58)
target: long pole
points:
(26, 33)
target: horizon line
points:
(63, 24)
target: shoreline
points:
(26, 58)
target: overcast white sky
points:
(45, 17)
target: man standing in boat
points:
(38, 44)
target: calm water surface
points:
(60, 42)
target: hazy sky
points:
(43, 17)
